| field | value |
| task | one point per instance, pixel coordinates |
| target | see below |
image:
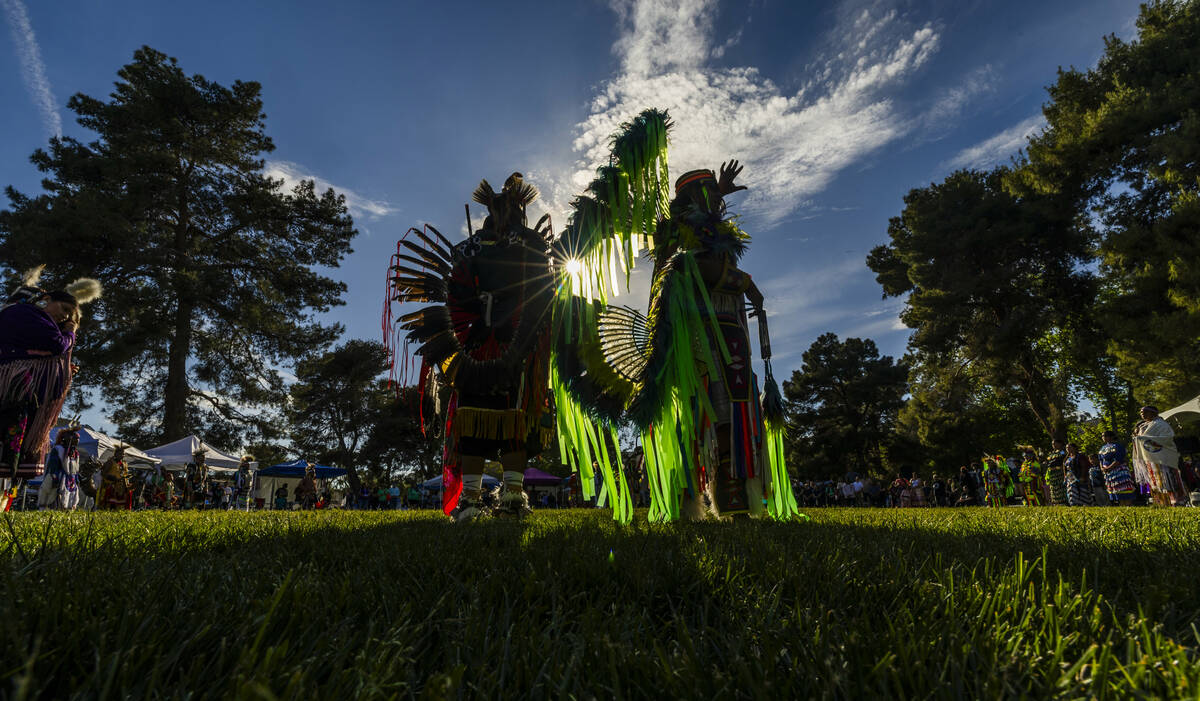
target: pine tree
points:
(1121, 144)
(211, 268)
(841, 407)
(989, 275)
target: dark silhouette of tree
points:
(988, 276)
(1121, 147)
(212, 270)
(841, 407)
(343, 413)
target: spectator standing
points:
(899, 492)
(1077, 472)
(916, 492)
(1056, 478)
(938, 487)
(1118, 480)
(978, 482)
(1156, 461)
(875, 493)
(966, 487)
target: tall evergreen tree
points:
(210, 268)
(841, 407)
(988, 275)
(1122, 145)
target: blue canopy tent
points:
(286, 476)
(296, 469)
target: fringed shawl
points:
(43, 381)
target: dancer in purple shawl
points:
(37, 333)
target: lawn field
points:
(859, 603)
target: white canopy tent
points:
(101, 447)
(435, 484)
(177, 455)
(1186, 413)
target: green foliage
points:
(342, 413)
(855, 603)
(267, 454)
(953, 417)
(210, 269)
(1121, 147)
(987, 275)
(1086, 433)
(841, 406)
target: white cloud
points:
(955, 100)
(998, 148)
(882, 320)
(32, 68)
(802, 297)
(359, 206)
(792, 143)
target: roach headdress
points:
(507, 207)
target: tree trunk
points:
(1048, 409)
(352, 478)
(176, 395)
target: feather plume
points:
(484, 194)
(85, 290)
(31, 277)
(516, 188)
(445, 241)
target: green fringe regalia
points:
(682, 374)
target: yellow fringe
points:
(502, 424)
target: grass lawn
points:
(861, 603)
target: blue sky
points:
(836, 109)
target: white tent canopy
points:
(177, 455)
(436, 483)
(101, 447)
(1181, 412)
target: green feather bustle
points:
(610, 223)
(618, 215)
(584, 444)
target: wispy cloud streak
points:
(998, 148)
(291, 174)
(33, 70)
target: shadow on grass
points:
(570, 604)
(1138, 559)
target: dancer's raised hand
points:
(729, 171)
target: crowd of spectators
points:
(1062, 477)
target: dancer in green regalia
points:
(682, 374)
(1031, 480)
